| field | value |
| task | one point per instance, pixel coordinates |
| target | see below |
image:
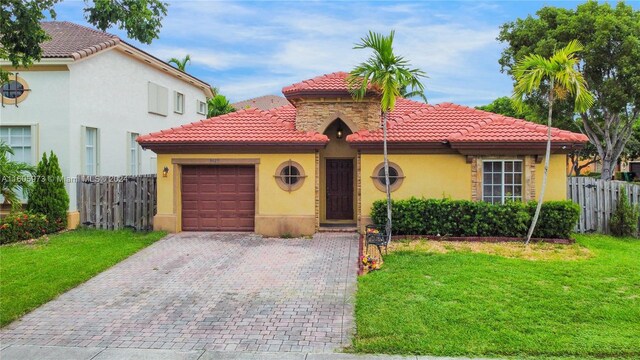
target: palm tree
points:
(14, 177)
(219, 105)
(406, 93)
(559, 77)
(387, 74)
(180, 64)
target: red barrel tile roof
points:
(416, 122)
(410, 122)
(249, 126)
(329, 83)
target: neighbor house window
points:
(19, 139)
(290, 175)
(158, 98)
(202, 107)
(133, 154)
(178, 102)
(501, 181)
(395, 177)
(91, 151)
(14, 91)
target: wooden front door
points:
(339, 181)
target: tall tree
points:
(610, 66)
(560, 76)
(181, 64)
(388, 74)
(14, 177)
(22, 33)
(219, 105)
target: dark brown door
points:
(218, 198)
(339, 189)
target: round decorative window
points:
(395, 177)
(290, 176)
(14, 91)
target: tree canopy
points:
(22, 33)
(610, 66)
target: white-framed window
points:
(202, 107)
(20, 140)
(501, 180)
(158, 99)
(178, 102)
(91, 151)
(133, 153)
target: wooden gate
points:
(117, 202)
(598, 200)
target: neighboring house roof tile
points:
(74, 41)
(249, 126)
(266, 102)
(69, 40)
(416, 122)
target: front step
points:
(338, 228)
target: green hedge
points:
(476, 218)
(20, 226)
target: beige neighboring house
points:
(266, 102)
(88, 99)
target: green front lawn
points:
(32, 274)
(465, 302)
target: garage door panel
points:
(218, 198)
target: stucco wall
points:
(431, 176)
(46, 109)
(278, 211)
(109, 91)
(557, 181)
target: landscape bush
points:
(461, 218)
(624, 221)
(48, 195)
(18, 226)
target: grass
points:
(32, 274)
(583, 301)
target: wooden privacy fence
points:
(116, 202)
(598, 200)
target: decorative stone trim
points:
(313, 114)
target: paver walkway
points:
(213, 291)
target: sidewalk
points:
(20, 352)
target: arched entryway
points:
(338, 177)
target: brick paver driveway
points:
(221, 291)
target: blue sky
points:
(254, 48)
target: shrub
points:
(557, 218)
(19, 226)
(48, 195)
(476, 218)
(624, 221)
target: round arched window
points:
(14, 91)
(395, 177)
(290, 175)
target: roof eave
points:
(238, 147)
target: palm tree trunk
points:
(386, 173)
(547, 156)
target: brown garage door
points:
(218, 198)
